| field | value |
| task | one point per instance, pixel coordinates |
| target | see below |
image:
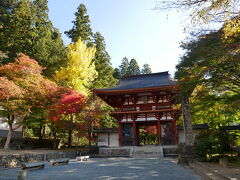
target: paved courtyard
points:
(108, 168)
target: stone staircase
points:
(146, 151)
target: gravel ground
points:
(108, 168)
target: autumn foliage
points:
(22, 87)
(151, 130)
(70, 102)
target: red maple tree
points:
(22, 86)
(63, 113)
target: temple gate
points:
(144, 100)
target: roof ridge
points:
(141, 75)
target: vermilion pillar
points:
(134, 133)
(120, 133)
(175, 132)
(159, 131)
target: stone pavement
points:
(108, 168)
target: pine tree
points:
(133, 68)
(81, 26)
(102, 63)
(124, 67)
(146, 69)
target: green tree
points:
(133, 68)
(48, 48)
(26, 28)
(81, 27)
(40, 14)
(17, 30)
(212, 63)
(211, 108)
(50, 51)
(116, 73)
(204, 72)
(124, 66)
(146, 69)
(2, 57)
(102, 63)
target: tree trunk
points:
(9, 136)
(70, 131)
(70, 137)
(187, 120)
(11, 119)
(54, 134)
(90, 140)
(43, 131)
(40, 132)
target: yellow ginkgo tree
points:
(80, 71)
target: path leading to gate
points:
(108, 168)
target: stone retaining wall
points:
(16, 160)
(115, 152)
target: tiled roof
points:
(105, 130)
(233, 127)
(143, 81)
(195, 127)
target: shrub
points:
(207, 144)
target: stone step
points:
(139, 151)
(147, 151)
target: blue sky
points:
(131, 28)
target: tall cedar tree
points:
(49, 48)
(82, 30)
(102, 63)
(17, 29)
(124, 67)
(50, 51)
(26, 28)
(133, 68)
(146, 69)
(116, 73)
(81, 27)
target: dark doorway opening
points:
(167, 135)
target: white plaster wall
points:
(4, 125)
(113, 140)
(102, 139)
(151, 118)
(181, 137)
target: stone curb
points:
(15, 160)
(206, 172)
